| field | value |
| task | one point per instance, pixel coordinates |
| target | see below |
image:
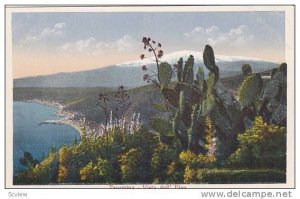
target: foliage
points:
(196, 161)
(262, 146)
(193, 162)
(175, 172)
(64, 159)
(131, 166)
(101, 171)
(161, 159)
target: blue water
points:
(37, 139)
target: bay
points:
(29, 135)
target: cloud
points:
(79, 46)
(95, 47)
(122, 44)
(235, 37)
(55, 31)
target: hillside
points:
(84, 100)
(130, 73)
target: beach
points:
(73, 119)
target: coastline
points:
(68, 118)
(78, 129)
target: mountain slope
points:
(130, 74)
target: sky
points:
(47, 43)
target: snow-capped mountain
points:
(130, 73)
(173, 57)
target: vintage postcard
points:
(150, 97)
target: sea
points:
(30, 135)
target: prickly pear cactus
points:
(274, 102)
(226, 118)
(195, 100)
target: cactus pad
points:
(250, 90)
(247, 70)
(200, 78)
(209, 57)
(272, 88)
(164, 74)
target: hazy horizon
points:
(49, 43)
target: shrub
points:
(175, 172)
(101, 171)
(130, 166)
(194, 162)
(161, 159)
(263, 146)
